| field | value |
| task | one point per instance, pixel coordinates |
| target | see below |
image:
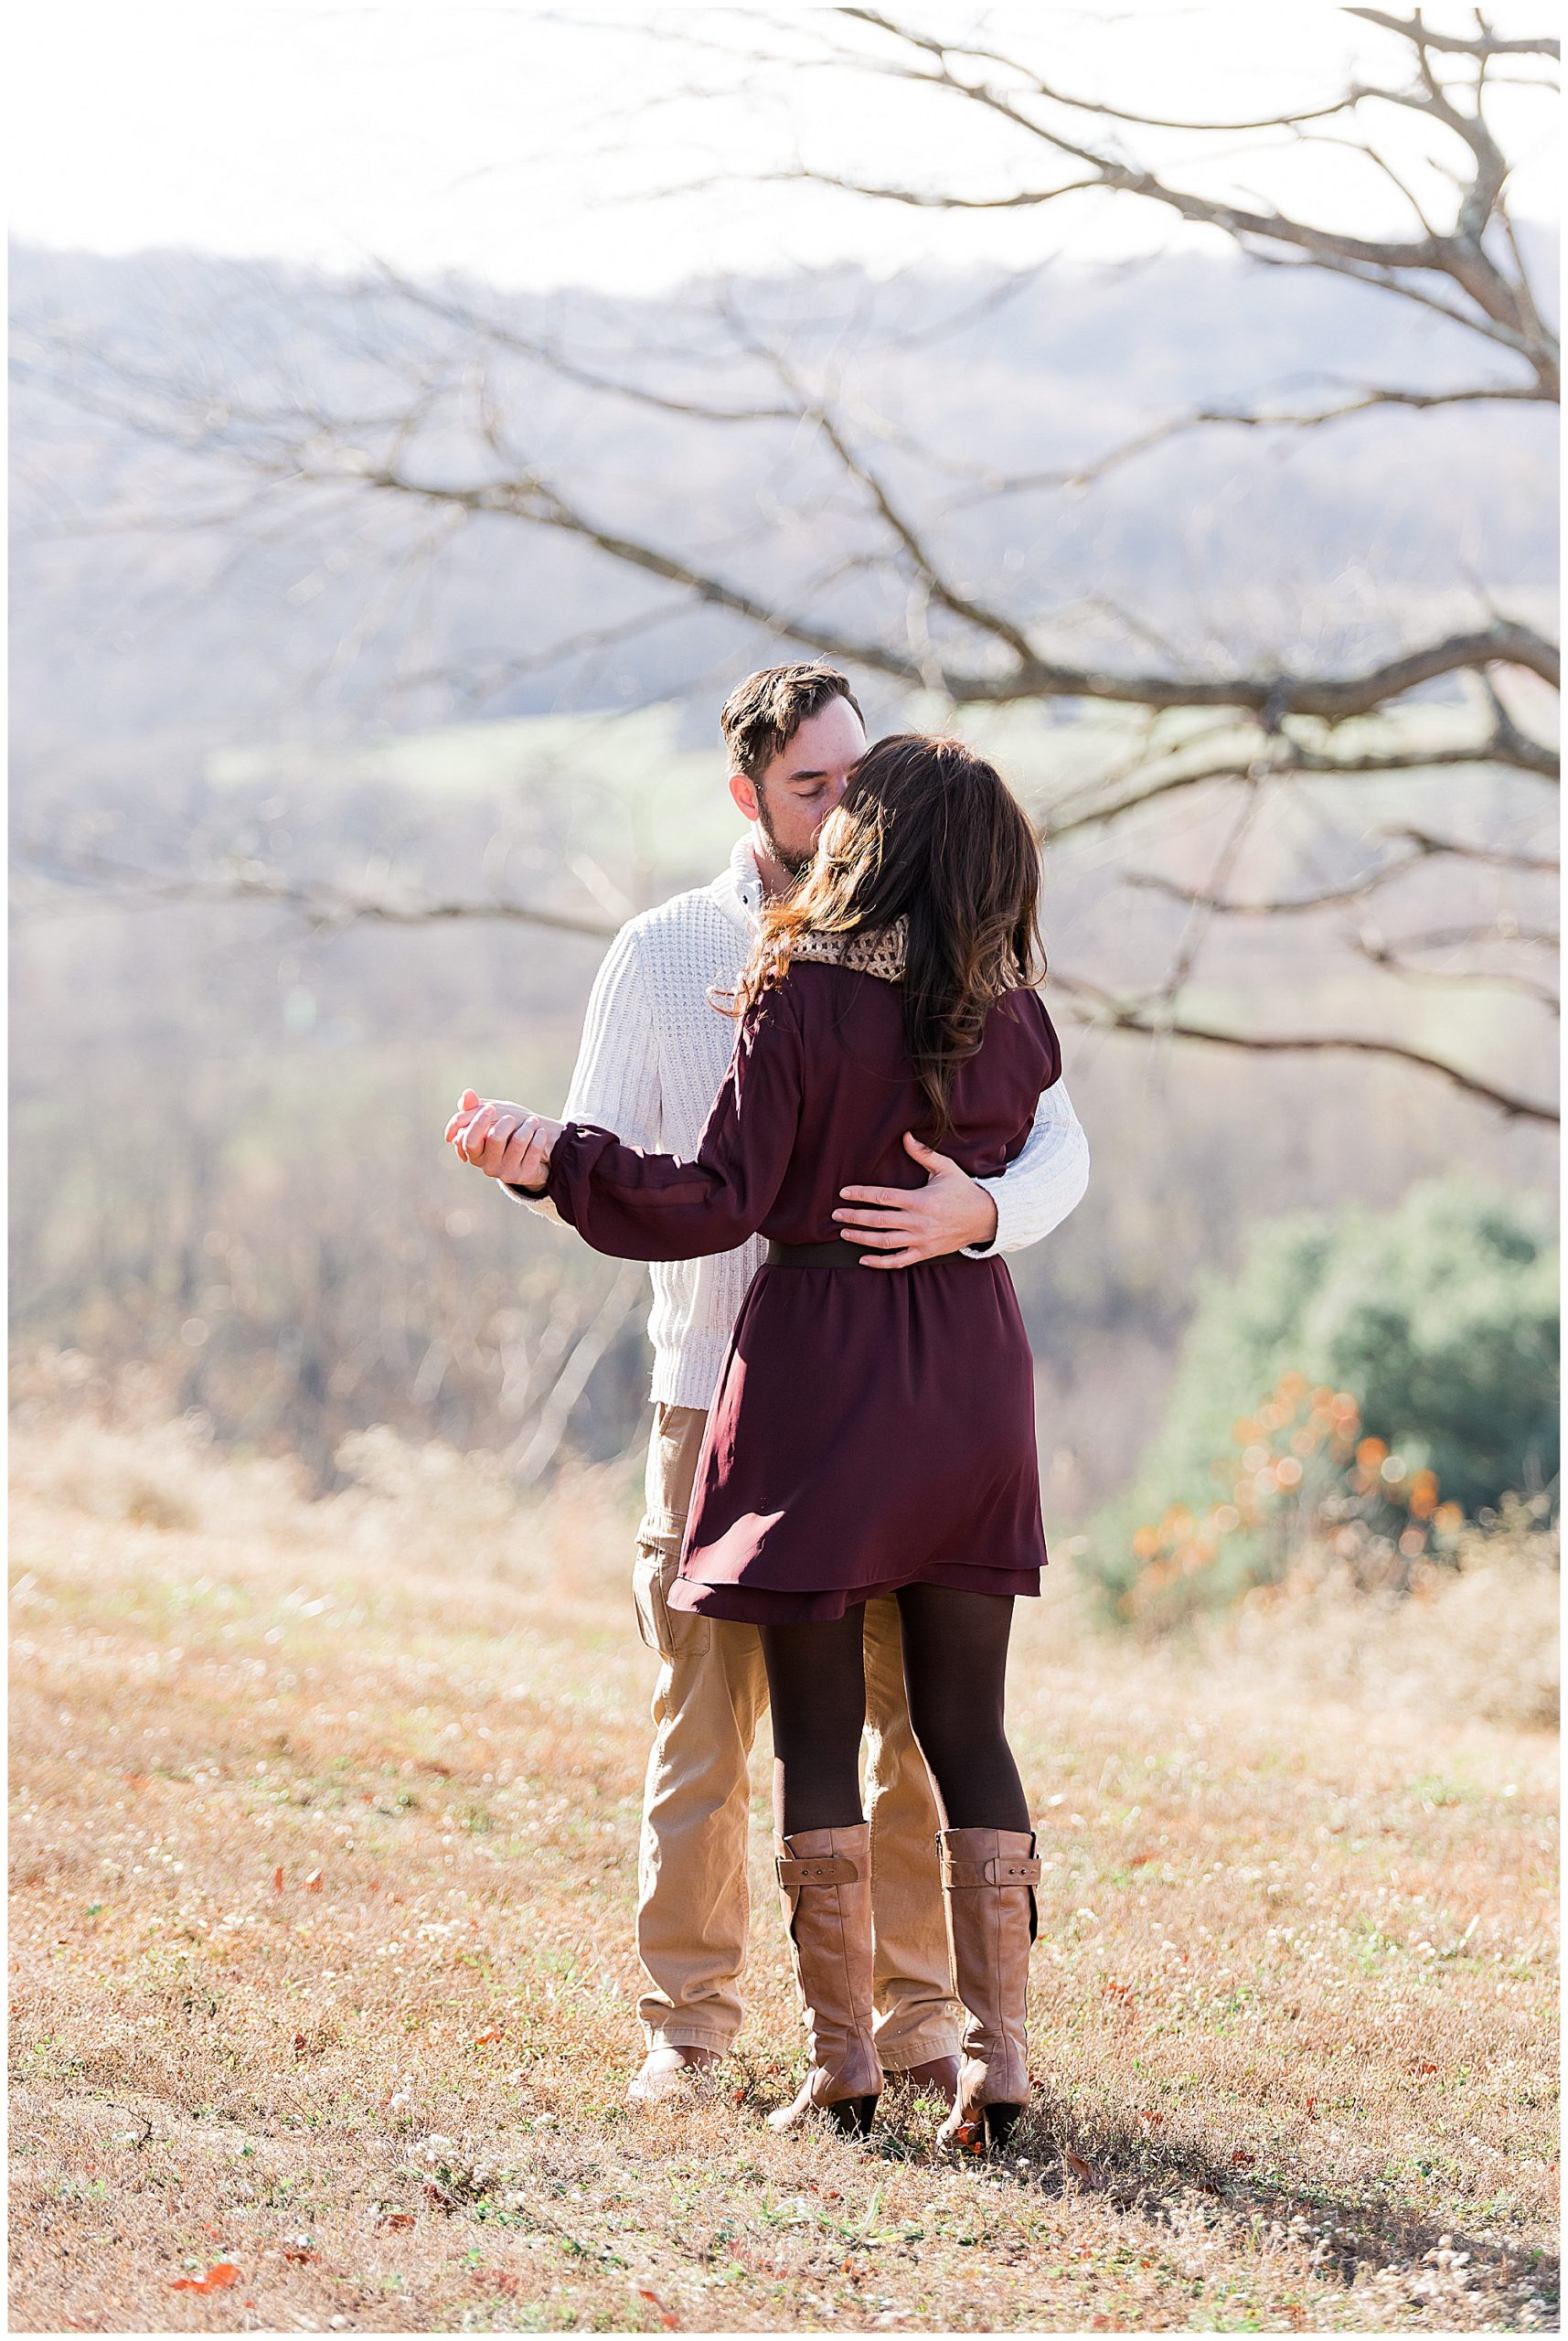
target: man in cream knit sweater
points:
(653, 1056)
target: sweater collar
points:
(738, 888)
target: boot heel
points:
(997, 2122)
(852, 2115)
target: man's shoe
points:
(670, 2074)
(937, 2078)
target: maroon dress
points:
(872, 1428)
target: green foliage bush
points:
(1440, 1318)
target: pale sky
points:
(528, 145)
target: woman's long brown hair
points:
(928, 832)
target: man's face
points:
(802, 784)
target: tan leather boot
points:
(824, 1882)
(989, 1877)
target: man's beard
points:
(796, 860)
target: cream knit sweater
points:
(654, 1054)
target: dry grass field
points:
(323, 1842)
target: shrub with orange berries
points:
(1298, 1471)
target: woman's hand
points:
(505, 1141)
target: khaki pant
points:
(693, 1906)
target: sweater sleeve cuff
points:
(988, 1251)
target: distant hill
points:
(325, 623)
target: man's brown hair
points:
(762, 714)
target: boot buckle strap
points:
(1002, 1869)
(826, 1869)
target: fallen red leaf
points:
(313, 1883)
(398, 2221)
(216, 2279)
(1082, 2169)
(299, 2256)
(1312, 2109)
(278, 1879)
(483, 2039)
(669, 2323)
(1242, 2160)
(1426, 2069)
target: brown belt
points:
(839, 1253)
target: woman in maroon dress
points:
(873, 1432)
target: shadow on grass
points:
(1048, 2155)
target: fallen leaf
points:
(313, 1883)
(1137, 1861)
(1426, 2069)
(1082, 2170)
(669, 2323)
(483, 2039)
(301, 2044)
(278, 1879)
(216, 2279)
(1312, 2109)
(301, 2259)
(1151, 2120)
(401, 2220)
(1242, 2160)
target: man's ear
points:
(744, 794)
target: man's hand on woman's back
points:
(903, 1225)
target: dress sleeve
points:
(640, 1206)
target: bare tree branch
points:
(1392, 959)
(325, 906)
(1103, 1009)
(1544, 866)
(1478, 44)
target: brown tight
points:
(956, 1661)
